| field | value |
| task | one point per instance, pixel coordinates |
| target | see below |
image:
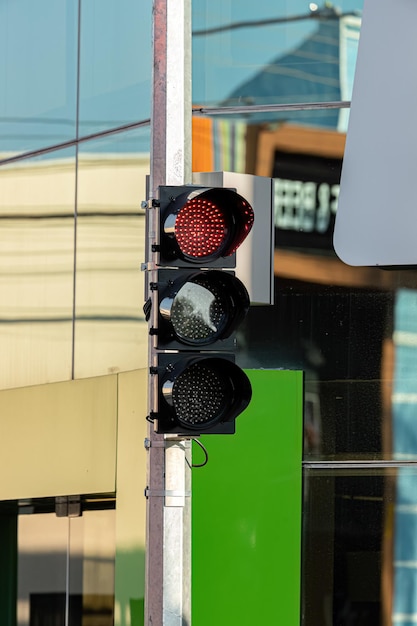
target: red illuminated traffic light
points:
(202, 226)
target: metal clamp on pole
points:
(166, 493)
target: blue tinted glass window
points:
(264, 53)
(38, 62)
(115, 64)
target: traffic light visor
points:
(205, 224)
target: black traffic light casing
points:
(200, 304)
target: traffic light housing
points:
(199, 305)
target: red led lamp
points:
(206, 224)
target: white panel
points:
(377, 214)
(254, 258)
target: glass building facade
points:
(74, 155)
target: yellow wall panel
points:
(58, 439)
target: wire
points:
(204, 449)
(74, 142)
(269, 108)
(326, 14)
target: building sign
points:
(306, 191)
(376, 222)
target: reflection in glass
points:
(64, 564)
(37, 204)
(91, 568)
(257, 54)
(404, 392)
(42, 568)
(38, 48)
(110, 327)
(338, 336)
(40, 87)
(351, 329)
(196, 313)
(303, 150)
(115, 64)
(359, 547)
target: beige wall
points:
(74, 437)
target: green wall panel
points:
(247, 511)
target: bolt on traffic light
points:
(200, 305)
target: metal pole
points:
(168, 544)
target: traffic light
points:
(200, 303)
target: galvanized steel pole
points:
(168, 545)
